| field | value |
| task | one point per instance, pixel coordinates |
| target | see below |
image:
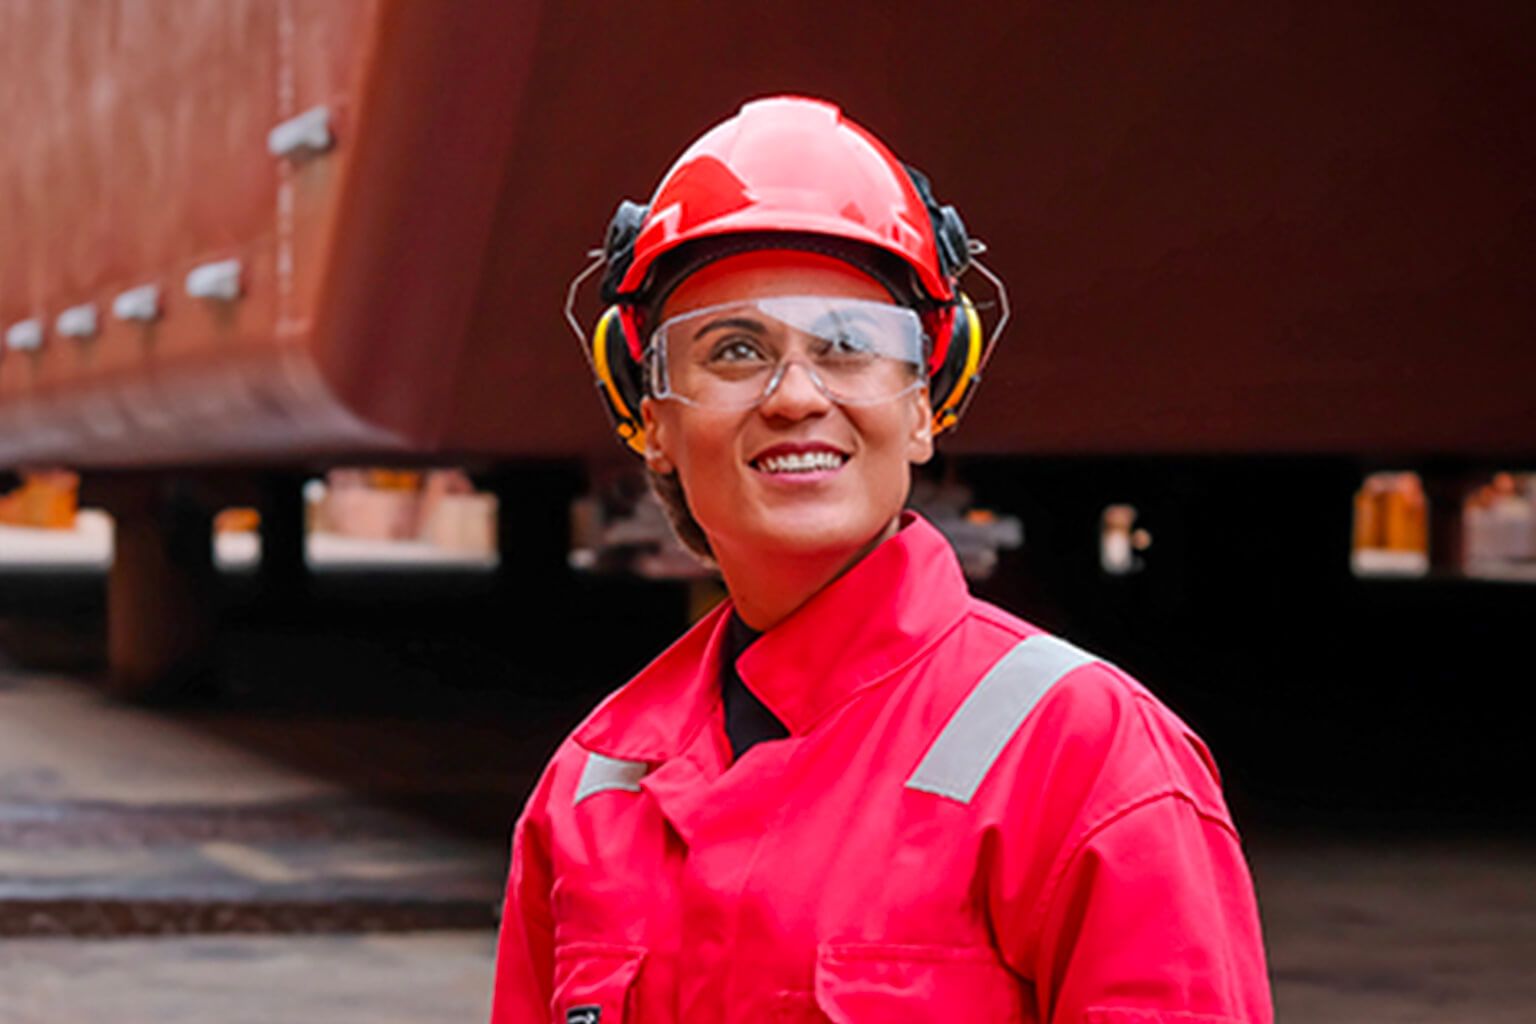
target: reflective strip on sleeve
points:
(968, 746)
(604, 773)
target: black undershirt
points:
(748, 721)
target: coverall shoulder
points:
(970, 820)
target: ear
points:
(657, 437)
(920, 441)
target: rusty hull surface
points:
(137, 150)
(1227, 228)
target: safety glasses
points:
(735, 355)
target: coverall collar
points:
(855, 632)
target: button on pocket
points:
(594, 982)
(864, 983)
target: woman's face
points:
(740, 488)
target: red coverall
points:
(970, 821)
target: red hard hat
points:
(793, 165)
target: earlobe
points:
(656, 458)
(920, 444)
(921, 448)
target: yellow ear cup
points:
(618, 379)
(965, 338)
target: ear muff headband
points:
(618, 378)
(965, 347)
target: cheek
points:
(703, 449)
(889, 443)
(903, 431)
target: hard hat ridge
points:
(795, 165)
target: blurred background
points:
(314, 539)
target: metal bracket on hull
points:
(77, 321)
(141, 304)
(303, 135)
(26, 336)
(219, 281)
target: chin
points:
(823, 533)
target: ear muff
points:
(959, 374)
(959, 324)
(619, 376)
(619, 245)
(951, 243)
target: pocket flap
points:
(861, 982)
(593, 982)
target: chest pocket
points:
(868, 983)
(594, 982)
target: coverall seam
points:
(749, 873)
(535, 824)
(1153, 740)
(1051, 889)
(991, 615)
(1143, 714)
(1145, 705)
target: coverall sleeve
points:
(525, 946)
(1151, 919)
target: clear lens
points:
(733, 356)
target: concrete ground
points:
(431, 978)
(158, 868)
(1407, 931)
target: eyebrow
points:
(745, 323)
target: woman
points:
(852, 792)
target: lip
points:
(797, 448)
(785, 448)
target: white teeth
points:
(801, 462)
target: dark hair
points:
(669, 491)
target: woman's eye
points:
(736, 350)
(845, 344)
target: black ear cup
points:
(619, 245)
(618, 378)
(948, 388)
(949, 237)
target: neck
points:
(767, 586)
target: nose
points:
(795, 393)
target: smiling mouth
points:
(800, 462)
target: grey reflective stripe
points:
(970, 743)
(604, 773)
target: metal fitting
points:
(304, 135)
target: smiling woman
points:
(728, 338)
(853, 792)
(789, 480)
